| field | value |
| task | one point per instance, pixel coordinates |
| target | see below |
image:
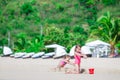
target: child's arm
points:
(85, 56)
(81, 55)
(71, 63)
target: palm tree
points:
(110, 29)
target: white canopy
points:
(54, 46)
(59, 50)
(97, 43)
(99, 47)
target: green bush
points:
(1, 50)
(109, 2)
(27, 8)
(118, 46)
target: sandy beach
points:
(40, 69)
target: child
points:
(62, 63)
(77, 56)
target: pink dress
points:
(77, 59)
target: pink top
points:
(77, 59)
(63, 63)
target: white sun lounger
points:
(37, 55)
(28, 55)
(19, 55)
(12, 55)
(48, 55)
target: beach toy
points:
(91, 70)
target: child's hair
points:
(66, 56)
(77, 47)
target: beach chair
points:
(37, 55)
(48, 55)
(19, 54)
(28, 55)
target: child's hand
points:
(84, 56)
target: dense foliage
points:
(29, 25)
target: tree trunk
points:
(112, 47)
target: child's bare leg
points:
(70, 71)
(77, 68)
(56, 68)
(74, 71)
(53, 69)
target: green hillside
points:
(28, 25)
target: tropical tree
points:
(108, 29)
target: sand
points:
(41, 69)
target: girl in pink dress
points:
(77, 57)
